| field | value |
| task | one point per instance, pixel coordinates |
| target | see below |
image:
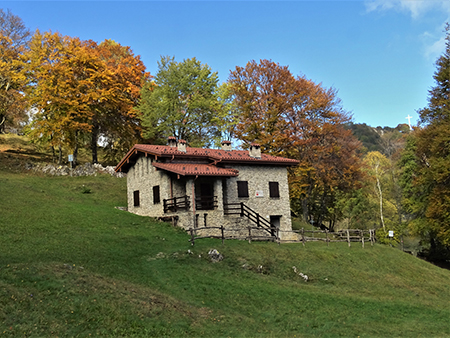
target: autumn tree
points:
(432, 156)
(115, 119)
(184, 101)
(14, 28)
(82, 91)
(297, 118)
(64, 80)
(14, 37)
(378, 164)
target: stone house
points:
(197, 187)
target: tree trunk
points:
(75, 151)
(59, 155)
(305, 209)
(94, 139)
(323, 208)
(305, 200)
(53, 154)
(2, 123)
(380, 195)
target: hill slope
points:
(73, 265)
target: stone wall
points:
(87, 169)
(258, 178)
(143, 177)
(235, 226)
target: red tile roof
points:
(213, 155)
(191, 169)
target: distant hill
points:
(386, 140)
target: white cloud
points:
(415, 8)
(434, 47)
(434, 43)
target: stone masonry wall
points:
(258, 178)
(143, 177)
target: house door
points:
(206, 200)
(275, 221)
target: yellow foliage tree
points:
(82, 90)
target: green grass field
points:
(72, 265)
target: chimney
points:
(255, 150)
(182, 146)
(172, 141)
(226, 145)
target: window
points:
(274, 190)
(136, 201)
(156, 197)
(242, 188)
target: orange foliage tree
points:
(81, 91)
(294, 117)
(116, 120)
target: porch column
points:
(190, 183)
(189, 220)
(218, 192)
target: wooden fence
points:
(347, 235)
(254, 234)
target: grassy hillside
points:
(73, 265)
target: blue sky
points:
(380, 55)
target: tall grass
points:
(73, 265)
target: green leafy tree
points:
(359, 208)
(428, 188)
(408, 169)
(184, 101)
(374, 205)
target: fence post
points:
(278, 236)
(257, 220)
(348, 238)
(326, 232)
(192, 236)
(303, 236)
(362, 238)
(249, 234)
(221, 230)
(242, 209)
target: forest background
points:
(65, 94)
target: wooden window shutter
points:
(242, 188)
(274, 190)
(156, 195)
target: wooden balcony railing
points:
(176, 203)
(206, 203)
